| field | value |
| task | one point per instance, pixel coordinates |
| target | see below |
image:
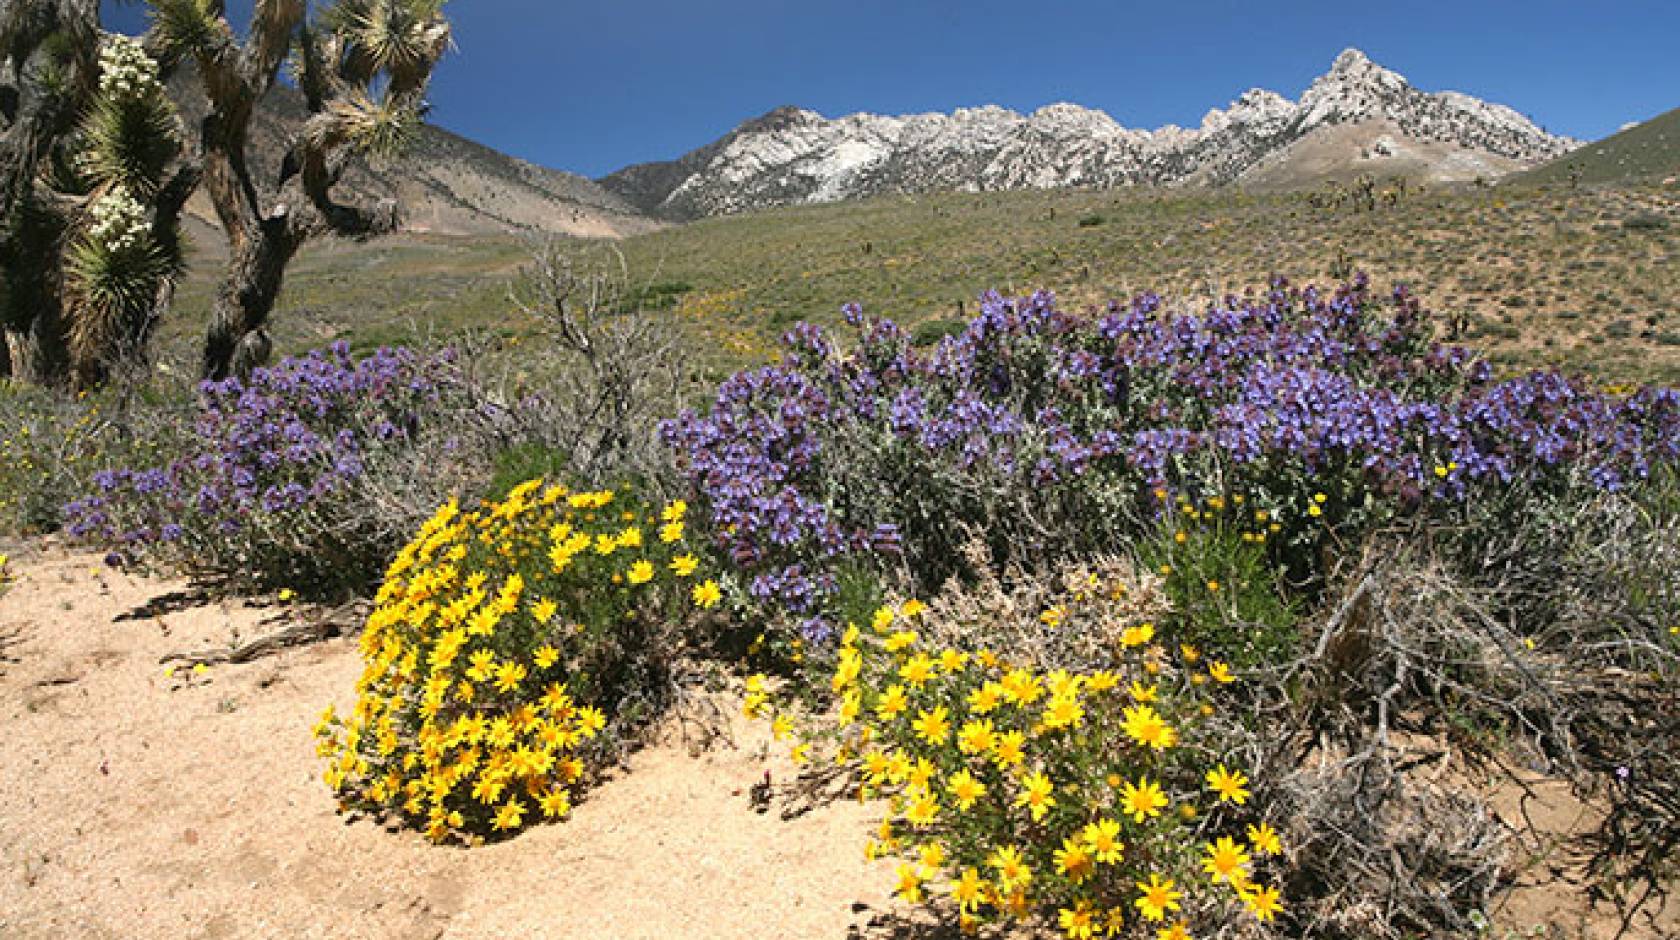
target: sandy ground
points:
(134, 804)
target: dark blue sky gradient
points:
(591, 87)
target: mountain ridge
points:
(792, 155)
(443, 182)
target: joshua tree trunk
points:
(25, 360)
(237, 340)
(36, 354)
(35, 331)
(37, 38)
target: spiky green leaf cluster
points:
(373, 58)
(114, 272)
(130, 135)
(186, 27)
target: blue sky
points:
(591, 87)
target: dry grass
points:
(1536, 275)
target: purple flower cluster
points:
(1035, 425)
(269, 464)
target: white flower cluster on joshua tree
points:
(125, 70)
(119, 221)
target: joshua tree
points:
(91, 186)
(362, 66)
(47, 74)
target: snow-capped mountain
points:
(1358, 117)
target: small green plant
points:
(930, 332)
(1227, 593)
(526, 461)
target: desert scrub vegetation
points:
(1306, 492)
(749, 279)
(1241, 557)
(1086, 799)
(311, 473)
(306, 474)
(1050, 435)
(929, 256)
(52, 444)
(510, 646)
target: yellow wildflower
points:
(508, 676)
(1035, 795)
(934, 726)
(1159, 897)
(556, 803)
(1078, 922)
(545, 657)
(1103, 839)
(1264, 839)
(1074, 861)
(976, 737)
(909, 884)
(1008, 749)
(1143, 800)
(1262, 901)
(965, 789)
(706, 594)
(1225, 860)
(917, 670)
(968, 890)
(986, 698)
(510, 815)
(1137, 635)
(892, 704)
(1013, 870)
(923, 811)
(903, 639)
(1145, 726)
(1022, 687)
(882, 620)
(1228, 784)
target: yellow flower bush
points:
(1094, 801)
(503, 642)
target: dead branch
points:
(342, 620)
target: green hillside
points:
(1650, 149)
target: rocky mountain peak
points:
(1350, 60)
(779, 119)
(791, 155)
